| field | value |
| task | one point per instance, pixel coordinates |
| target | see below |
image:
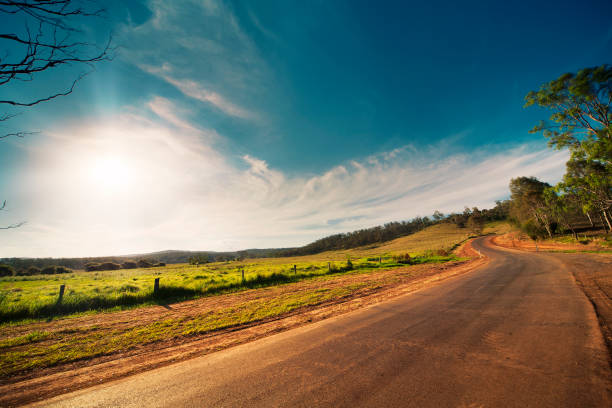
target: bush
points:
(129, 265)
(62, 269)
(405, 259)
(6, 270)
(48, 270)
(92, 266)
(33, 270)
(144, 264)
(109, 266)
(442, 252)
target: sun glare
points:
(110, 173)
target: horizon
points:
(272, 125)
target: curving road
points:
(515, 333)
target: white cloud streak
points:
(199, 48)
(131, 184)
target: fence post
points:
(329, 266)
(61, 293)
(294, 269)
(242, 275)
(156, 286)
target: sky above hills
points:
(232, 125)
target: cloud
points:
(201, 50)
(195, 91)
(149, 180)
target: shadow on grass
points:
(166, 295)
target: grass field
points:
(75, 331)
(27, 297)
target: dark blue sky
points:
(293, 91)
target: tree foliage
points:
(581, 121)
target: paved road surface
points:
(515, 333)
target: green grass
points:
(25, 297)
(35, 297)
(75, 344)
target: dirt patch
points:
(518, 240)
(45, 383)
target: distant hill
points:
(354, 239)
(169, 257)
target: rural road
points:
(517, 332)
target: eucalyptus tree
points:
(581, 121)
(529, 206)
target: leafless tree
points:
(46, 37)
(19, 224)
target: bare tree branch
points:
(46, 42)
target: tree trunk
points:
(573, 231)
(603, 223)
(590, 220)
(605, 213)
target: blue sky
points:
(226, 125)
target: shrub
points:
(62, 269)
(92, 266)
(33, 270)
(109, 266)
(442, 252)
(129, 265)
(48, 270)
(143, 263)
(6, 270)
(403, 259)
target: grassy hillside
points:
(36, 296)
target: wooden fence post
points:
(294, 269)
(156, 286)
(329, 266)
(242, 275)
(61, 293)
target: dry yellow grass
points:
(441, 236)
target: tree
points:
(581, 118)
(19, 224)
(50, 39)
(438, 216)
(582, 122)
(529, 206)
(475, 221)
(562, 208)
(591, 182)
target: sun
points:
(110, 173)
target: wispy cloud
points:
(194, 90)
(175, 190)
(200, 49)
